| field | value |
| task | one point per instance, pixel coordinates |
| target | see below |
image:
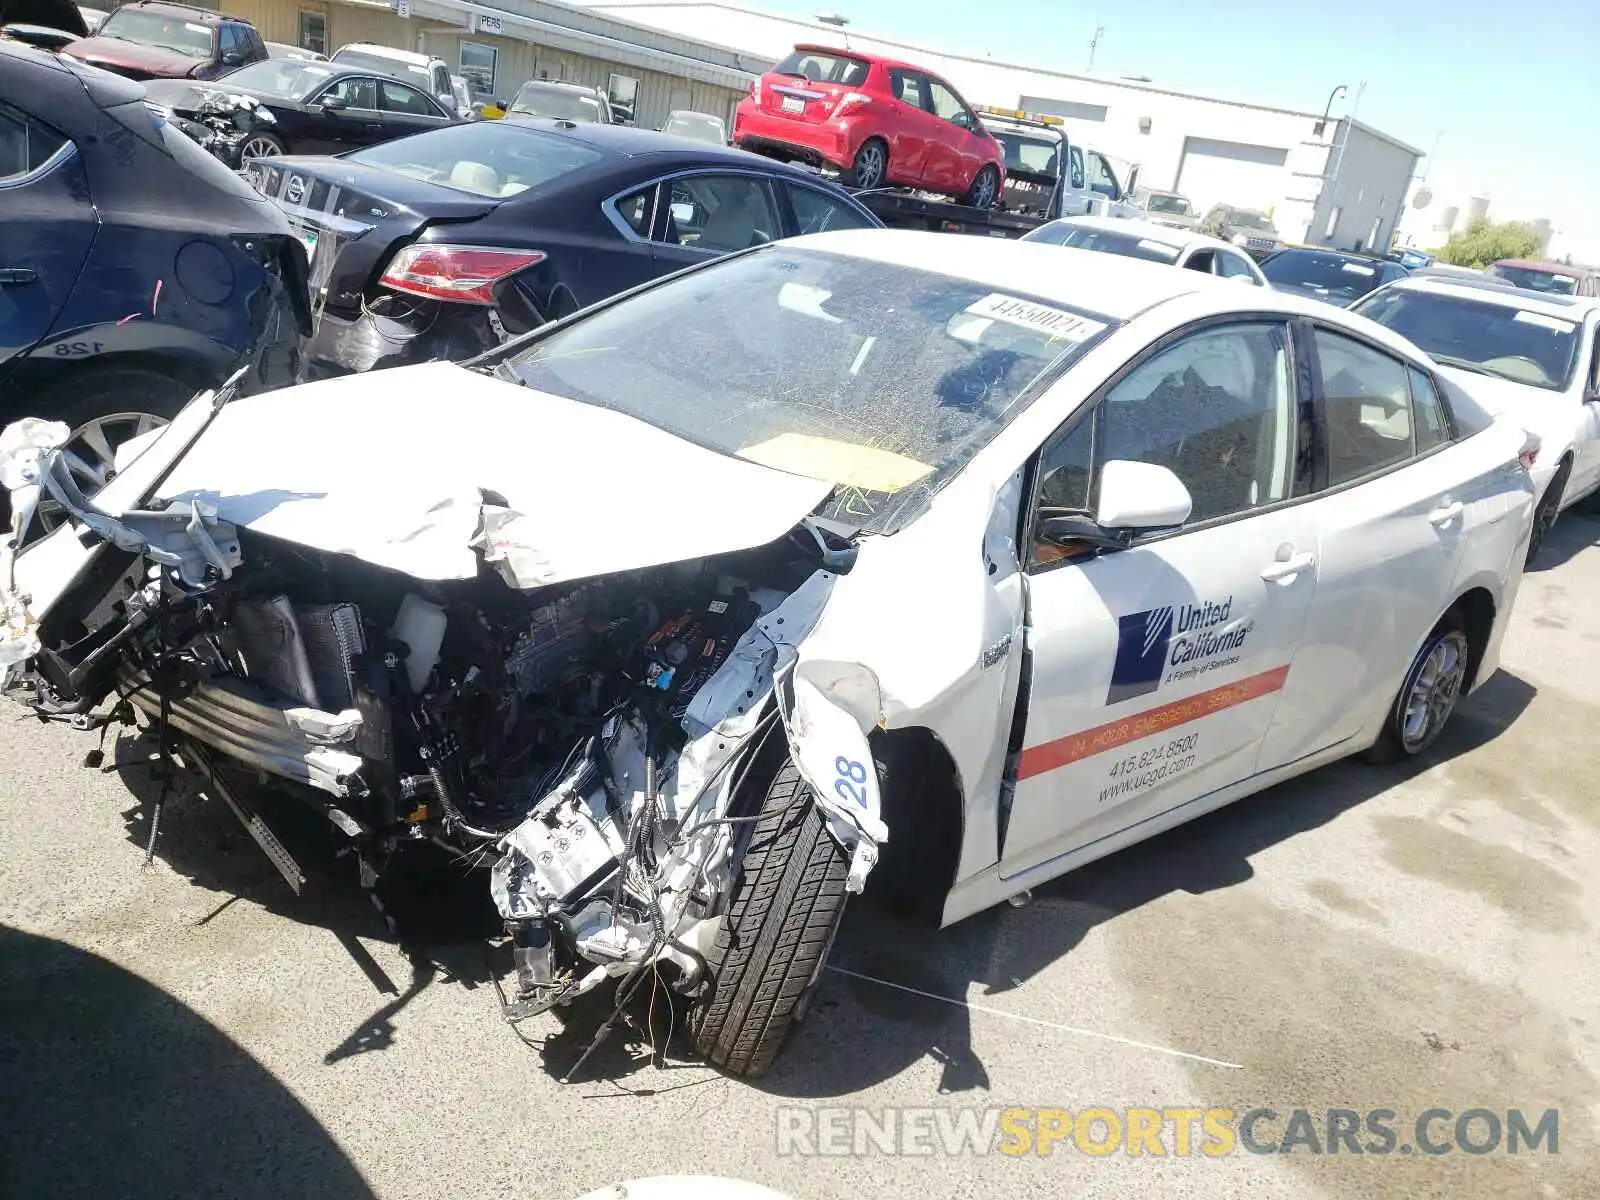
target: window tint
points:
(1367, 408)
(820, 67)
(1230, 266)
(398, 98)
(25, 144)
(1100, 177)
(1432, 428)
(721, 213)
(1066, 468)
(815, 212)
(945, 105)
(1216, 408)
(635, 210)
(357, 91)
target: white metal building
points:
(1344, 185)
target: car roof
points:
(1576, 270)
(1111, 285)
(883, 60)
(1150, 231)
(207, 16)
(558, 85)
(632, 141)
(373, 48)
(1566, 308)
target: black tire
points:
(786, 906)
(986, 183)
(1398, 740)
(1548, 509)
(97, 394)
(870, 167)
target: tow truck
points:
(1047, 176)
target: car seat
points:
(475, 177)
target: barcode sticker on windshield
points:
(1054, 321)
(1544, 322)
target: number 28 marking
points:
(851, 784)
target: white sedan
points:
(1533, 356)
(1186, 248)
(946, 563)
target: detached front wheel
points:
(787, 903)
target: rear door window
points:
(1366, 408)
(398, 98)
(721, 213)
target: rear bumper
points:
(349, 343)
(783, 137)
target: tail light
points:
(851, 101)
(1529, 451)
(465, 274)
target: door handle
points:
(1288, 568)
(375, 126)
(1444, 515)
(17, 275)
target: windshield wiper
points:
(1476, 368)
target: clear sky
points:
(1514, 87)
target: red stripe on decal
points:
(1048, 756)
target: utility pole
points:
(1094, 43)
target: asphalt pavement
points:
(1401, 938)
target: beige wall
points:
(518, 61)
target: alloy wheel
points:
(870, 166)
(259, 147)
(1435, 688)
(983, 190)
(89, 455)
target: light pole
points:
(1316, 130)
(838, 21)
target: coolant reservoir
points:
(420, 625)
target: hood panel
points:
(391, 467)
(133, 58)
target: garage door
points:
(1237, 173)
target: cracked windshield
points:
(735, 600)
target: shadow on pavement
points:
(443, 912)
(117, 1089)
(845, 1047)
(1574, 532)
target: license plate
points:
(793, 104)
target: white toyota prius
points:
(925, 560)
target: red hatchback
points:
(879, 121)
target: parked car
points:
(1409, 258)
(284, 50)
(877, 120)
(1556, 279)
(92, 17)
(1439, 270)
(696, 126)
(953, 565)
(1331, 276)
(1246, 227)
(109, 320)
(1166, 208)
(567, 101)
(424, 71)
(152, 39)
(1152, 242)
(290, 106)
(443, 244)
(1528, 354)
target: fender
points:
(828, 709)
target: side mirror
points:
(233, 59)
(1138, 496)
(333, 104)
